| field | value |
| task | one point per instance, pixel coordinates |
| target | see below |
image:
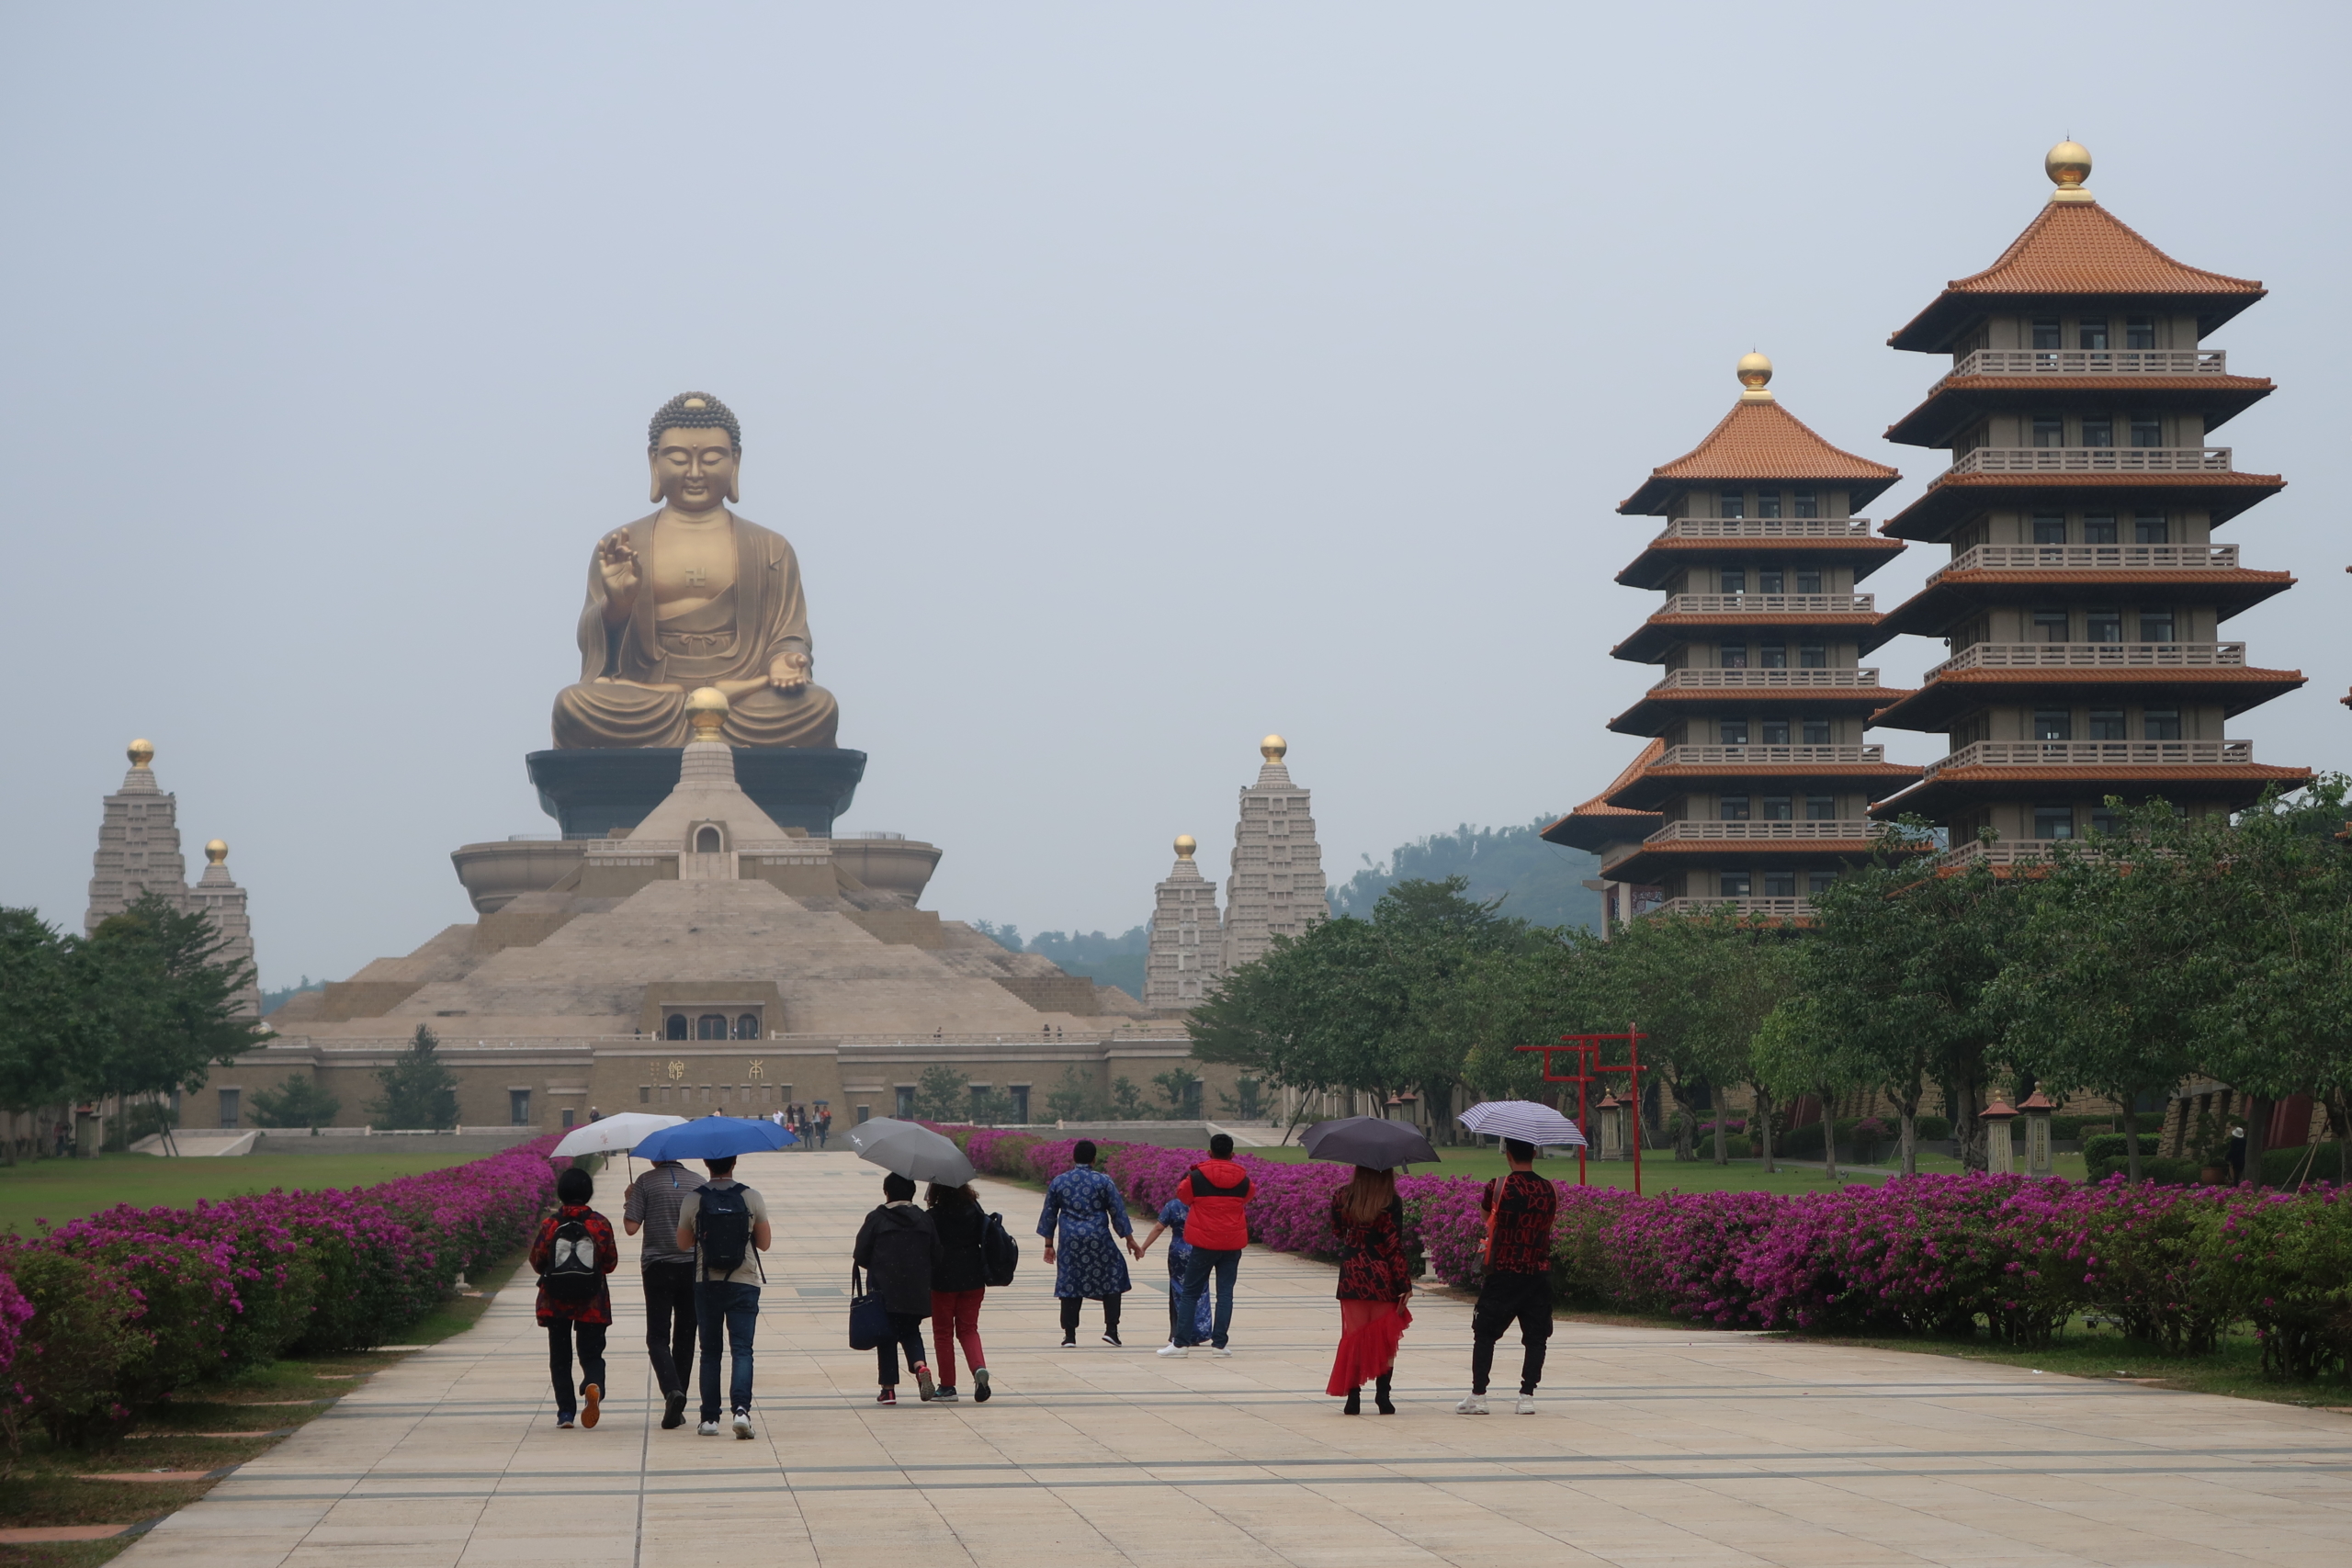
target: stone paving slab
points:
(1652, 1448)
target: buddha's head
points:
(696, 450)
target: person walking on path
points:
(958, 1286)
(1171, 1221)
(1218, 1194)
(824, 1126)
(899, 1248)
(1375, 1281)
(724, 1225)
(652, 1205)
(1518, 1281)
(1082, 1208)
(574, 1252)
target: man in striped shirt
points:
(653, 1207)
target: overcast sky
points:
(1132, 379)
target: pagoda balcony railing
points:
(2094, 362)
(2093, 460)
(2093, 558)
(1767, 909)
(2092, 656)
(1751, 833)
(2000, 851)
(1774, 756)
(2096, 754)
(1768, 528)
(1715, 680)
(1769, 604)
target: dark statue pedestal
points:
(590, 792)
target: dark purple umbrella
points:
(1369, 1140)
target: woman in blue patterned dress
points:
(1082, 1208)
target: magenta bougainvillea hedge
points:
(106, 1313)
(2175, 1265)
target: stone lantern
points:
(1612, 1127)
(2000, 1147)
(2036, 1108)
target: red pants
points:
(956, 1320)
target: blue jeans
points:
(1226, 1262)
(736, 1307)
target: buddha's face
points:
(693, 471)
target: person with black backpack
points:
(967, 1237)
(725, 1225)
(574, 1251)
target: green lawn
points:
(1661, 1173)
(62, 1189)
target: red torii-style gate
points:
(1586, 1050)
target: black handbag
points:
(869, 1320)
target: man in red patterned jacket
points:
(572, 1254)
(1518, 1284)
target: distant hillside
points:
(272, 1000)
(1105, 960)
(1542, 884)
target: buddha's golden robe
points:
(735, 637)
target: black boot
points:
(1380, 1395)
(1354, 1406)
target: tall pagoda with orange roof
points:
(1755, 785)
(2083, 603)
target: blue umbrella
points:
(714, 1137)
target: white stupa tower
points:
(1276, 889)
(139, 844)
(1187, 950)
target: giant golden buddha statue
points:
(694, 596)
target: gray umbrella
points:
(1369, 1140)
(911, 1150)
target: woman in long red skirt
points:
(1375, 1283)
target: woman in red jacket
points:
(1375, 1281)
(574, 1251)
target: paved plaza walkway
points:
(1652, 1447)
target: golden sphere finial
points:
(1753, 372)
(1185, 845)
(1273, 748)
(706, 710)
(217, 852)
(2068, 165)
(140, 754)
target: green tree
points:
(944, 1094)
(158, 1002)
(1181, 1088)
(297, 1102)
(992, 1109)
(1796, 1057)
(1126, 1100)
(1073, 1099)
(417, 1090)
(42, 1028)
(1246, 1104)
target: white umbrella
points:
(623, 1132)
(1523, 1120)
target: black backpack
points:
(571, 1273)
(1000, 1254)
(723, 1226)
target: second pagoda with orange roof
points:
(1756, 786)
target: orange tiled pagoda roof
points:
(1759, 441)
(1597, 822)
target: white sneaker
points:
(743, 1422)
(1473, 1404)
(707, 1429)
(1173, 1348)
(1222, 1350)
(1526, 1405)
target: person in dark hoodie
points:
(899, 1248)
(957, 1287)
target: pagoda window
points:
(2156, 624)
(2049, 527)
(2053, 821)
(1774, 655)
(1732, 731)
(2099, 530)
(1773, 808)
(1773, 731)
(1817, 882)
(2139, 332)
(2152, 528)
(1768, 503)
(1821, 808)
(1779, 885)
(2091, 334)
(1734, 580)
(2104, 823)
(2105, 723)
(1731, 656)
(1768, 580)
(2147, 430)
(1815, 731)
(2098, 430)
(1731, 503)
(2049, 624)
(674, 1027)
(747, 1027)
(1804, 504)
(2102, 626)
(1808, 579)
(2048, 334)
(1731, 808)
(711, 1026)
(1733, 883)
(2160, 724)
(1813, 656)
(2049, 430)
(2053, 724)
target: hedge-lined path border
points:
(1652, 1446)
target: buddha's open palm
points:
(616, 560)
